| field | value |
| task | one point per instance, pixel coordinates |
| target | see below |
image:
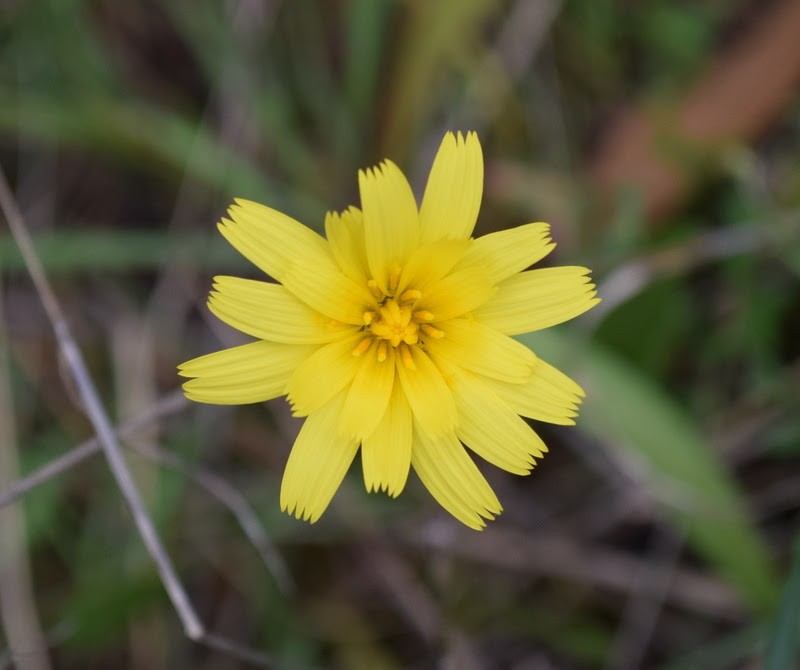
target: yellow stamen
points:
(376, 290)
(362, 346)
(382, 352)
(433, 332)
(368, 316)
(405, 354)
(395, 324)
(390, 311)
(423, 316)
(394, 280)
(412, 295)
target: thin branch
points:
(239, 651)
(237, 505)
(169, 404)
(651, 582)
(553, 553)
(98, 416)
(18, 612)
(64, 630)
(217, 487)
(635, 275)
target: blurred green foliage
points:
(128, 128)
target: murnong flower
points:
(392, 336)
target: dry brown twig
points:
(109, 443)
(216, 486)
(18, 613)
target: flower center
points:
(396, 323)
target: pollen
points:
(411, 295)
(382, 352)
(376, 290)
(395, 324)
(433, 332)
(405, 354)
(362, 346)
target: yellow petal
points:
(271, 240)
(322, 375)
(427, 393)
(391, 221)
(447, 471)
(454, 190)
(430, 263)
(507, 252)
(297, 257)
(369, 394)
(317, 464)
(345, 233)
(271, 312)
(538, 299)
(457, 294)
(250, 373)
(386, 453)
(549, 395)
(473, 346)
(491, 429)
(328, 291)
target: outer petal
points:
(431, 262)
(297, 257)
(428, 394)
(457, 294)
(453, 479)
(507, 252)
(454, 190)
(391, 221)
(322, 375)
(538, 299)
(369, 394)
(473, 346)
(386, 453)
(250, 373)
(491, 429)
(549, 395)
(271, 312)
(271, 240)
(345, 233)
(327, 290)
(317, 464)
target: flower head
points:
(393, 336)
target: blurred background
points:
(660, 138)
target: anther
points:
(362, 346)
(382, 351)
(376, 290)
(394, 280)
(405, 354)
(430, 330)
(368, 317)
(412, 295)
(423, 316)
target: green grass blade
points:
(657, 438)
(125, 250)
(784, 640)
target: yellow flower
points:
(392, 335)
